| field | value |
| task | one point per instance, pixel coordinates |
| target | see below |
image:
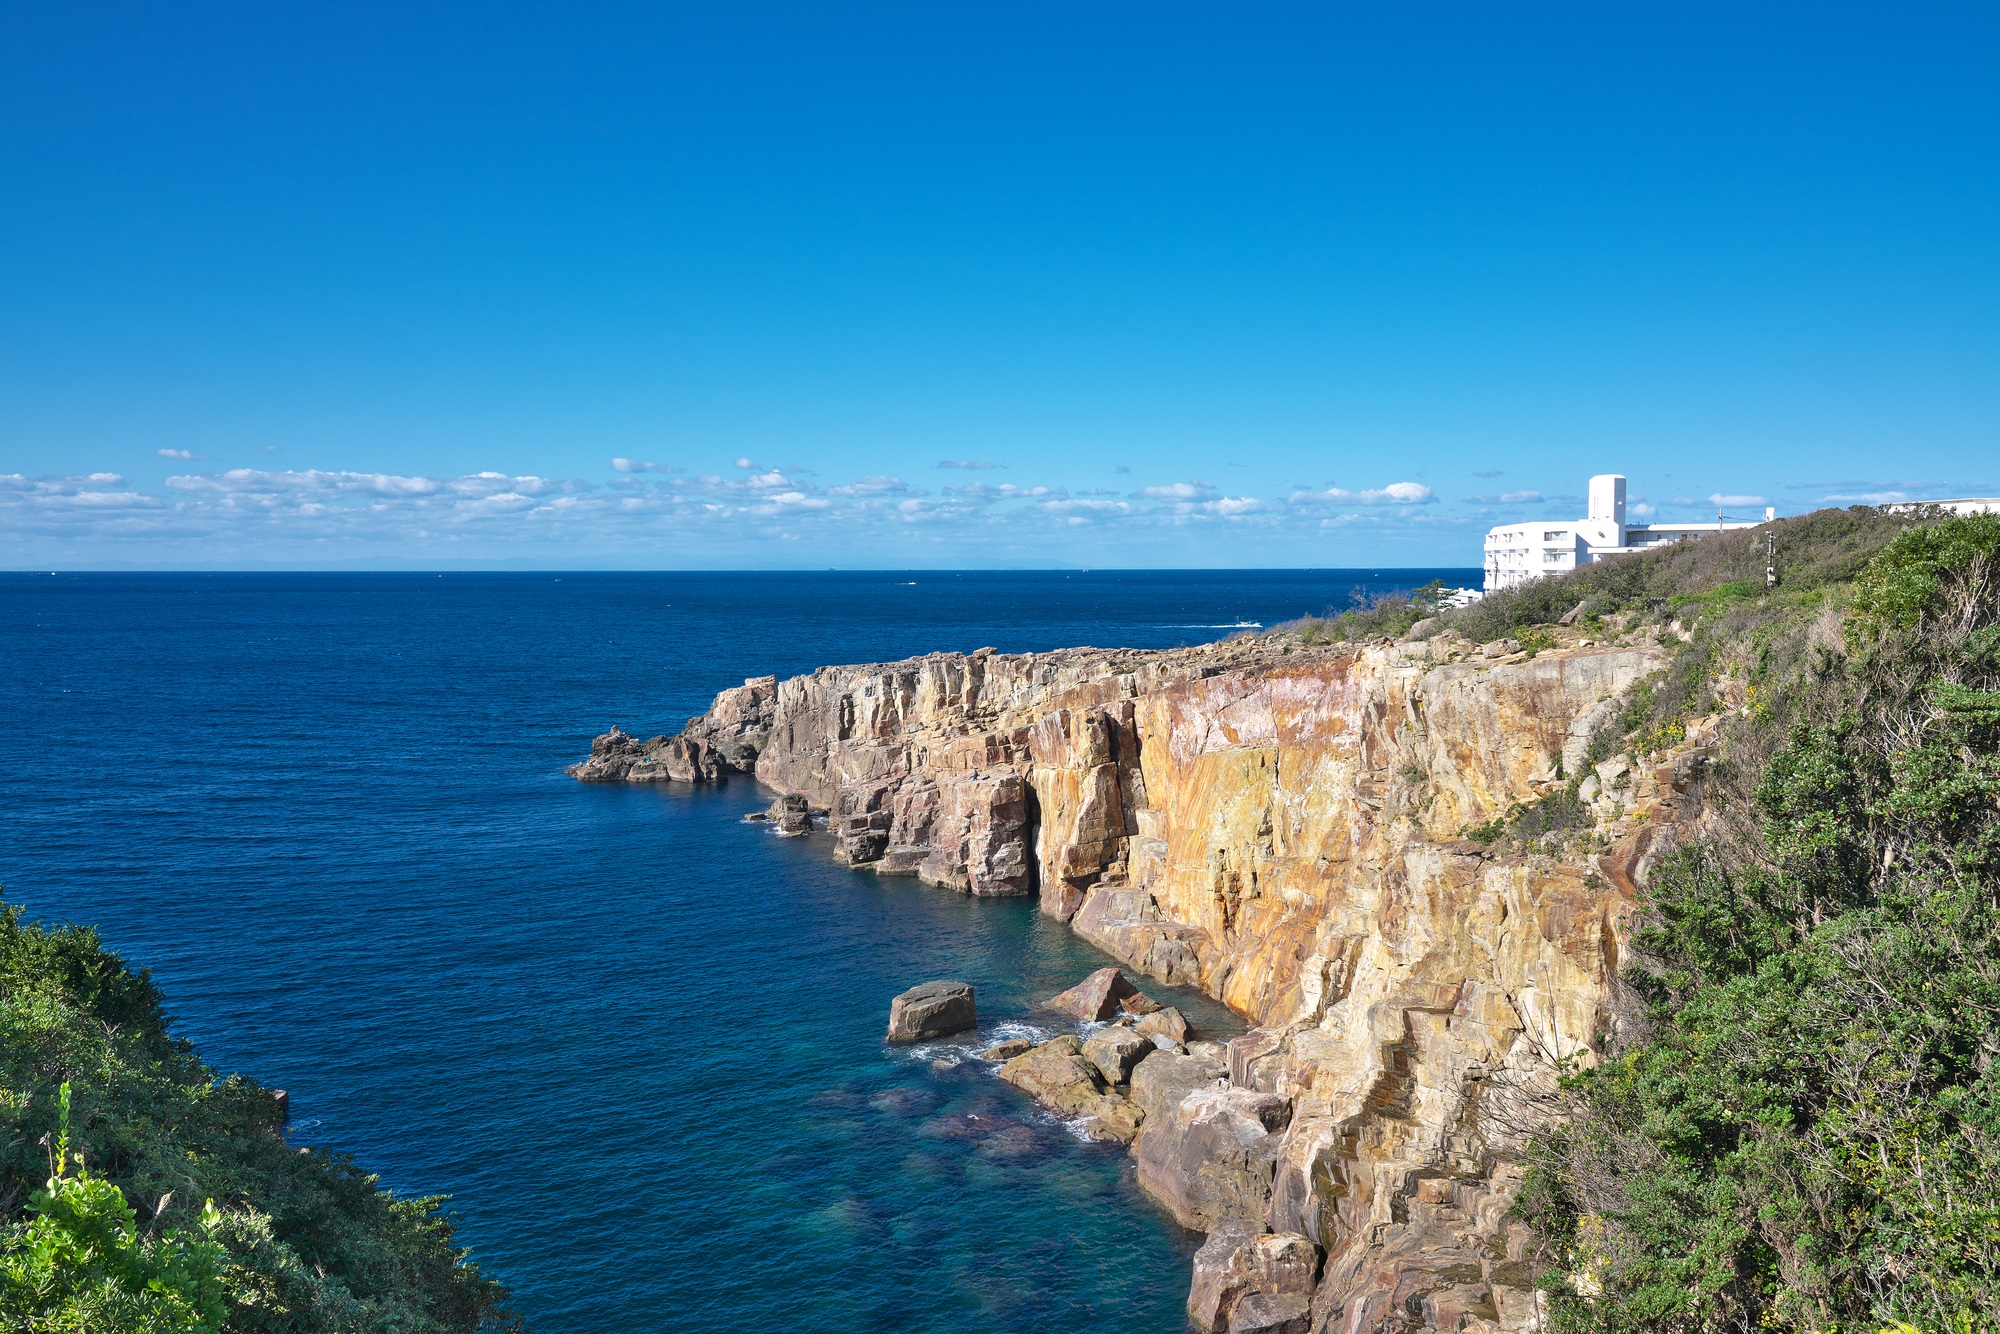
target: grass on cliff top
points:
(140, 1192)
(1816, 551)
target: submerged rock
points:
(962, 1126)
(903, 1102)
(931, 1011)
(1013, 1143)
(1094, 998)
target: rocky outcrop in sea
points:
(1283, 828)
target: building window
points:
(1552, 557)
(1556, 536)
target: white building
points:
(1519, 552)
(1964, 505)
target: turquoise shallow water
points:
(637, 1039)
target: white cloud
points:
(986, 492)
(1642, 510)
(176, 454)
(331, 514)
(1084, 508)
(1869, 498)
(48, 499)
(875, 486)
(968, 465)
(1396, 493)
(1508, 498)
(252, 481)
(1178, 491)
(636, 465)
(1737, 501)
(1490, 472)
(746, 464)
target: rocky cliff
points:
(1284, 828)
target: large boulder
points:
(1114, 1119)
(1059, 1076)
(1161, 1080)
(1094, 998)
(619, 757)
(1214, 1156)
(1055, 1074)
(1241, 1260)
(931, 1011)
(791, 814)
(1168, 1023)
(1127, 924)
(611, 757)
(1114, 1051)
(1276, 1313)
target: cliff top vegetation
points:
(1814, 553)
(1794, 1123)
(139, 1191)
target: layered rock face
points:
(1284, 829)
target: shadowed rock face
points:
(1283, 829)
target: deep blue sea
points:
(636, 1039)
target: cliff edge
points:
(1286, 828)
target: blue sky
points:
(974, 285)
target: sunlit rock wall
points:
(1283, 828)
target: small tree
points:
(80, 1264)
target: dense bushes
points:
(139, 1192)
(1802, 1128)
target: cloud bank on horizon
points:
(650, 513)
(647, 510)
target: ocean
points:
(636, 1039)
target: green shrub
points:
(1801, 1131)
(114, 1229)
